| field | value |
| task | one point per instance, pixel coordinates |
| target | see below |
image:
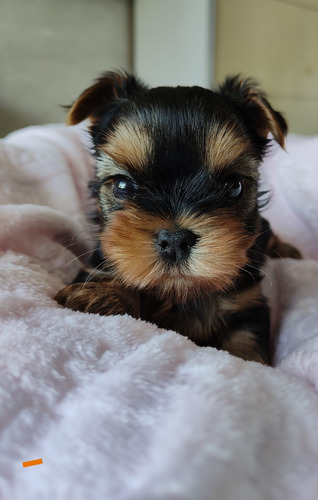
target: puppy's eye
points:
(234, 188)
(124, 187)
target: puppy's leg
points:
(246, 344)
(278, 248)
(249, 326)
(105, 297)
(272, 245)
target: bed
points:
(117, 408)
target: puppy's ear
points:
(94, 102)
(254, 103)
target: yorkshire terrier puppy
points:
(182, 242)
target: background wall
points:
(173, 41)
(276, 42)
(52, 49)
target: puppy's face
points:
(177, 173)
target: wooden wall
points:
(276, 42)
(51, 50)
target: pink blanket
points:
(119, 409)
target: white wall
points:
(174, 41)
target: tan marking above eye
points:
(108, 167)
(224, 145)
(129, 145)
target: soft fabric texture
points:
(119, 409)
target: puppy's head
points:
(177, 172)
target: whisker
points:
(248, 272)
(262, 272)
(79, 256)
(91, 240)
(95, 269)
(91, 228)
(77, 236)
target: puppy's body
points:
(181, 237)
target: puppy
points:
(182, 242)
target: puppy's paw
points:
(245, 344)
(102, 298)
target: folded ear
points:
(94, 102)
(254, 103)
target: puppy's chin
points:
(182, 289)
(173, 284)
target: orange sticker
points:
(32, 462)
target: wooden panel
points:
(301, 114)
(276, 42)
(51, 50)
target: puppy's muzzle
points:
(175, 246)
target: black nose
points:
(175, 246)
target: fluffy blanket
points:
(117, 408)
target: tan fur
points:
(215, 261)
(103, 297)
(272, 124)
(266, 120)
(107, 167)
(129, 145)
(90, 102)
(224, 146)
